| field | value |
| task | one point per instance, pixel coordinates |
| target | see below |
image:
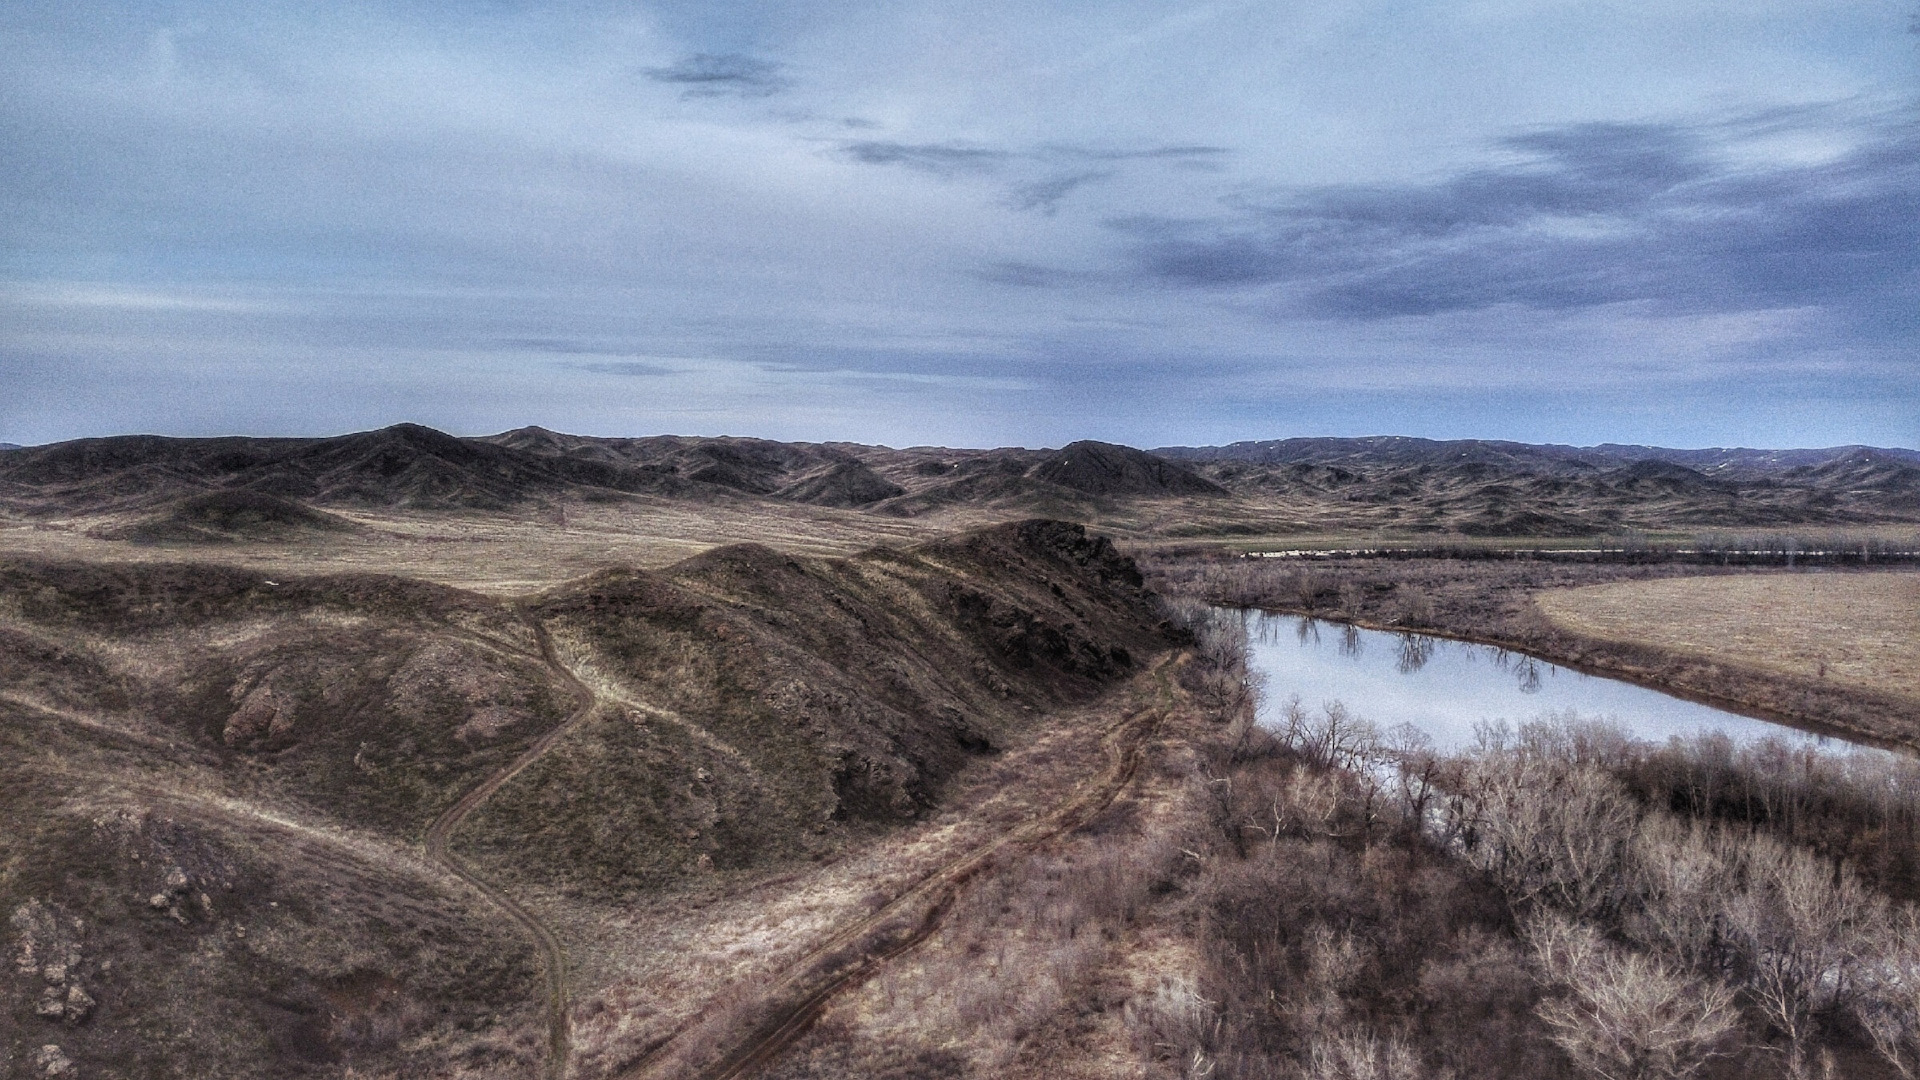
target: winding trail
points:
(855, 954)
(440, 833)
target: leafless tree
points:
(1683, 872)
(1800, 929)
(1362, 1056)
(1547, 831)
(1888, 1006)
(1624, 1015)
(1335, 738)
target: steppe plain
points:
(404, 755)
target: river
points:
(1445, 688)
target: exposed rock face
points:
(50, 1060)
(48, 945)
(177, 896)
(259, 717)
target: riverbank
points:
(1494, 603)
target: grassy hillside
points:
(215, 785)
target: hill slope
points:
(205, 771)
(1278, 486)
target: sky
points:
(975, 223)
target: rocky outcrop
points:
(47, 945)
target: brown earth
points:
(217, 785)
(548, 753)
(1857, 630)
(154, 490)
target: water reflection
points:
(1350, 641)
(1441, 690)
(1414, 652)
(1529, 671)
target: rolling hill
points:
(239, 834)
(1470, 487)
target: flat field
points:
(500, 553)
(1854, 629)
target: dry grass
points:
(502, 553)
(125, 681)
(1859, 630)
(1042, 964)
(646, 967)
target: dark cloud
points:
(723, 75)
(632, 368)
(1045, 195)
(552, 345)
(1587, 215)
(1042, 192)
(943, 159)
(1028, 275)
(1152, 153)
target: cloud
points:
(1152, 153)
(949, 158)
(1028, 275)
(628, 368)
(1045, 195)
(562, 346)
(723, 75)
(943, 159)
(1035, 180)
(1579, 216)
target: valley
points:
(404, 755)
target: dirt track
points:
(848, 959)
(442, 829)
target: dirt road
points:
(848, 959)
(440, 833)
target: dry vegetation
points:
(1498, 600)
(501, 552)
(1323, 903)
(1861, 630)
(216, 784)
(958, 800)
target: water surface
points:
(1446, 687)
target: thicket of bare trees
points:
(1558, 901)
(1316, 899)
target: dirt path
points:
(440, 833)
(851, 957)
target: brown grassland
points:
(1860, 630)
(1745, 648)
(804, 792)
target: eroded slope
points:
(216, 784)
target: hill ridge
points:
(1486, 486)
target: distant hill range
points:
(236, 488)
(1537, 457)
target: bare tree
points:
(1888, 1006)
(1683, 872)
(1360, 1055)
(1334, 739)
(1547, 831)
(1800, 929)
(1623, 1015)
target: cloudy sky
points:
(984, 222)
